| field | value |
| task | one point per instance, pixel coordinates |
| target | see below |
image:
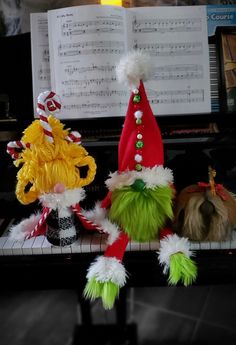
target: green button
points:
(138, 167)
(136, 99)
(138, 122)
(139, 144)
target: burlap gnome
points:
(139, 201)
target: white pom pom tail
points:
(132, 68)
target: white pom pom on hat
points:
(132, 68)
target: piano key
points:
(66, 249)
(2, 242)
(17, 247)
(46, 247)
(204, 246)
(145, 246)
(7, 248)
(215, 245)
(37, 245)
(194, 245)
(27, 246)
(76, 246)
(155, 245)
(135, 246)
(56, 249)
(86, 243)
(8, 226)
(96, 243)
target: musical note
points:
(88, 82)
(101, 93)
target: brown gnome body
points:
(205, 211)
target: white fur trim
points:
(172, 244)
(19, 231)
(156, 176)
(62, 200)
(98, 216)
(133, 67)
(106, 269)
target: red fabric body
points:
(152, 152)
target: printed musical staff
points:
(43, 74)
(166, 25)
(72, 69)
(88, 82)
(171, 49)
(92, 27)
(177, 72)
(92, 47)
(90, 93)
(176, 96)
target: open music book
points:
(75, 51)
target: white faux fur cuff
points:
(156, 176)
(19, 231)
(170, 245)
(62, 200)
(98, 216)
(107, 269)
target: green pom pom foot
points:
(108, 291)
(182, 269)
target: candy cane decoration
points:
(14, 148)
(42, 220)
(74, 137)
(48, 101)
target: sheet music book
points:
(86, 43)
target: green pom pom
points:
(108, 291)
(182, 269)
(93, 289)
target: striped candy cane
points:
(37, 229)
(14, 148)
(74, 137)
(48, 102)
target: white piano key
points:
(155, 245)
(145, 246)
(56, 249)
(96, 242)
(37, 245)
(27, 246)
(215, 245)
(2, 242)
(17, 247)
(205, 245)
(7, 248)
(135, 246)
(225, 245)
(194, 245)
(66, 249)
(76, 246)
(46, 247)
(103, 242)
(86, 243)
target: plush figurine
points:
(50, 158)
(205, 211)
(139, 201)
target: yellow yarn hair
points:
(46, 164)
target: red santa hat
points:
(140, 152)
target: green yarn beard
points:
(141, 214)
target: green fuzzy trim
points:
(141, 214)
(182, 269)
(108, 292)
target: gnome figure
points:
(139, 201)
(50, 158)
(205, 211)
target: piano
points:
(35, 263)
